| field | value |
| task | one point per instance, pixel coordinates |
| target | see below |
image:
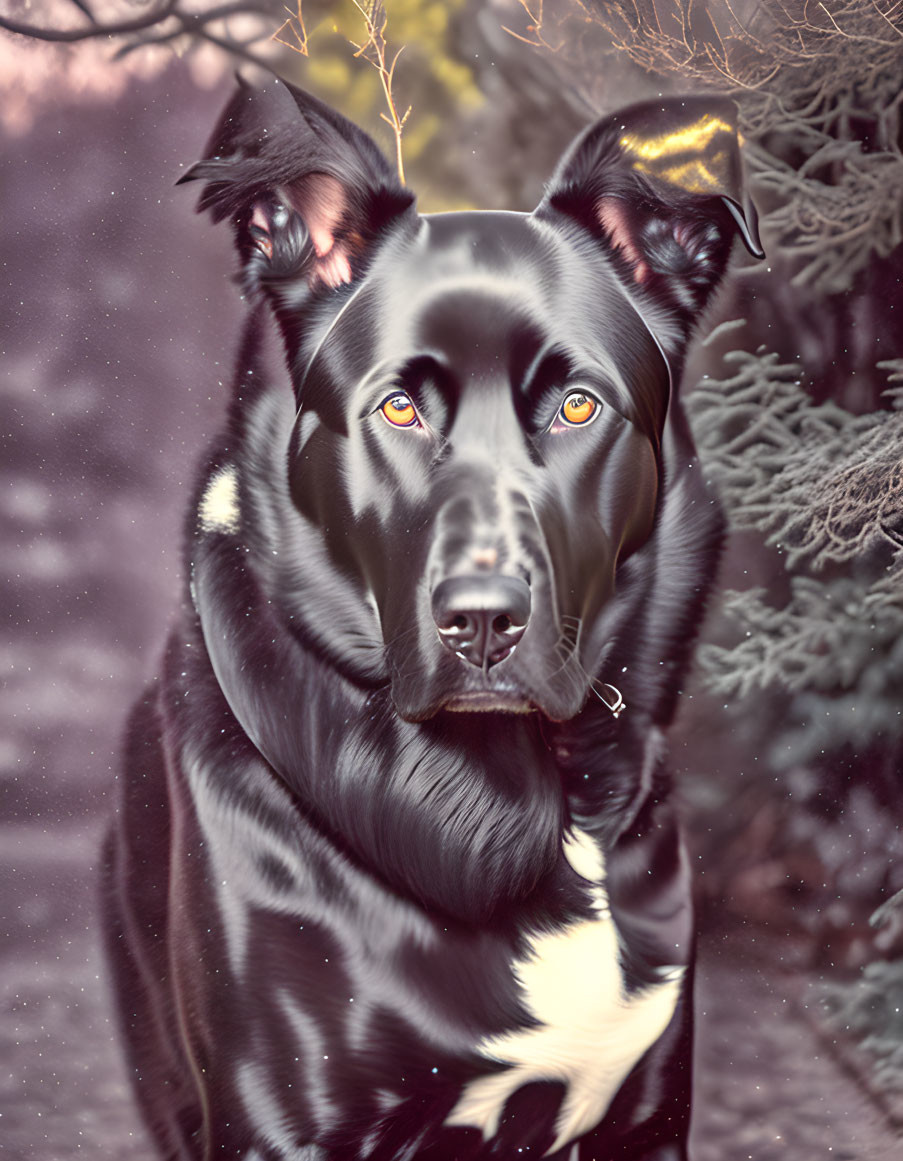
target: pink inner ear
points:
(321, 202)
(615, 221)
(263, 239)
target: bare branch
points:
(535, 27)
(374, 49)
(83, 7)
(171, 21)
(294, 26)
(73, 35)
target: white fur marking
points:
(586, 859)
(591, 1034)
(219, 510)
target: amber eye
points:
(578, 408)
(399, 410)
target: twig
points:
(191, 23)
(295, 24)
(535, 27)
(73, 35)
(374, 50)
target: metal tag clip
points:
(611, 697)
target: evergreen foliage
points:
(825, 487)
(869, 1011)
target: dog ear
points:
(307, 191)
(661, 185)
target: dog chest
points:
(589, 1031)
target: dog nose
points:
(481, 618)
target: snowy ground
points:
(767, 1088)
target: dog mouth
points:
(488, 701)
(507, 699)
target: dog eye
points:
(399, 410)
(579, 409)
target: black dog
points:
(393, 879)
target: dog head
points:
(486, 421)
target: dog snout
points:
(481, 618)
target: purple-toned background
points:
(119, 327)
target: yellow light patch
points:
(696, 158)
(694, 137)
(693, 176)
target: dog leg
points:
(136, 891)
(652, 905)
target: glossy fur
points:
(390, 880)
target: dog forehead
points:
(477, 257)
(473, 283)
(488, 295)
(502, 241)
(488, 291)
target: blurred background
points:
(120, 324)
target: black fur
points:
(379, 792)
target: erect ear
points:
(307, 191)
(660, 184)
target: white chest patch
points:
(591, 1033)
(219, 510)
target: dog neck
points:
(463, 813)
